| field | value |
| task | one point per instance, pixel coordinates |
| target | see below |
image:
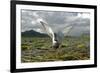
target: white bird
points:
(57, 37)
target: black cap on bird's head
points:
(56, 44)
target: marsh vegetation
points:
(39, 49)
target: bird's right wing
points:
(48, 29)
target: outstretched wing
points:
(48, 30)
(67, 29)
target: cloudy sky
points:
(57, 20)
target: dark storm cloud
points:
(56, 20)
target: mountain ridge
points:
(33, 33)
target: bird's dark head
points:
(55, 43)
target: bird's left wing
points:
(67, 29)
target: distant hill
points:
(32, 33)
